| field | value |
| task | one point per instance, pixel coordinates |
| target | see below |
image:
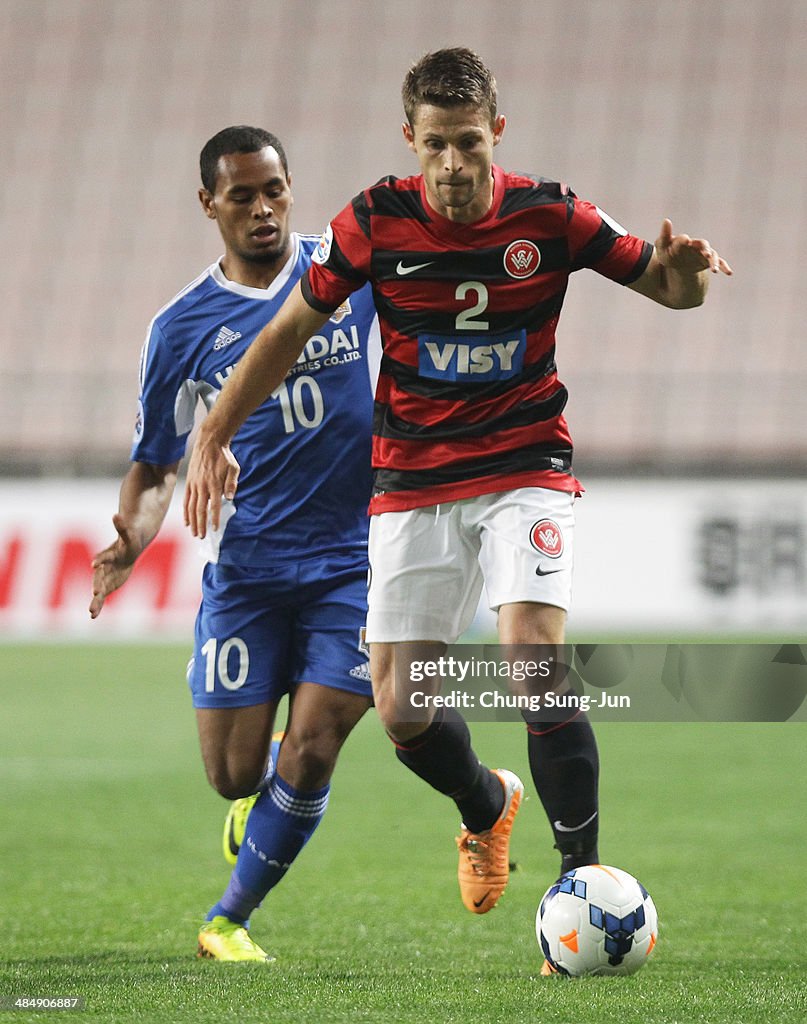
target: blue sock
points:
(279, 825)
(271, 765)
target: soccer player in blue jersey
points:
(284, 590)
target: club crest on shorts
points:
(522, 258)
(546, 537)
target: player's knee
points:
(403, 721)
(407, 732)
(234, 781)
(308, 758)
(387, 707)
(387, 711)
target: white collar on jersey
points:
(259, 293)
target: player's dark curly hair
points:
(240, 138)
(453, 77)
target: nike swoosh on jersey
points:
(403, 271)
(545, 572)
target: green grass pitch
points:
(111, 856)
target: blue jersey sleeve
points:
(163, 417)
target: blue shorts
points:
(260, 631)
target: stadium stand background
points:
(693, 110)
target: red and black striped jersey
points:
(468, 399)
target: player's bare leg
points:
(563, 754)
(289, 806)
(401, 720)
(528, 622)
(235, 746)
(320, 720)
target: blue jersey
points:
(305, 453)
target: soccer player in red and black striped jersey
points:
(472, 456)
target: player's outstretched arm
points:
(678, 272)
(145, 495)
(213, 470)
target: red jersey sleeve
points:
(599, 243)
(341, 262)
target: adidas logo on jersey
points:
(361, 672)
(224, 338)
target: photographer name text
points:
(495, 699)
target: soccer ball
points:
(596, 920)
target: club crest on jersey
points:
(323, 249)
(522, 258)
(546, 537)
(339, 314)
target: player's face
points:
(251, 205)
(454, 146)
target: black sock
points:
(443, 757)
(565, 769)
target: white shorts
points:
(427, 565)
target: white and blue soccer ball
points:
(597, 920)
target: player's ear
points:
(206, 199)
(499, 124)
(408, 134)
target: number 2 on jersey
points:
(466, 318)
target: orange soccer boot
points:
(484, 865)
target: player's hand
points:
(112, 567)
(212, 474)
(689, 255)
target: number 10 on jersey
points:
(301, 404)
